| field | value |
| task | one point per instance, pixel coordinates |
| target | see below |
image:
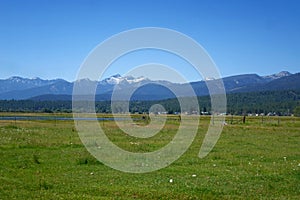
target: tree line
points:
(274, 102)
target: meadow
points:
(45, 159)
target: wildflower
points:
(194, 175)
(284, 158)
(171, 180)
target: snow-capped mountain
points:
(19, 83)
(118, 79)
(276, 76)
(27, 88)
(145, 89)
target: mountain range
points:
(19, 88)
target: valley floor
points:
(45, 159)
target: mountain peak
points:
(116, 76)
(19, 79)
(283, 73)
(117, 79)
(12, 78)
(35, 78)
(276, 76)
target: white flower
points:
(194, 175)
(284, 158)
(171, 180)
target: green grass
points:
(255, 160)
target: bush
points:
(297, 111)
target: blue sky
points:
(51, 38)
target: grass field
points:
(256, 160)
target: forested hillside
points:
(278, 102)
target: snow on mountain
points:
(118, 79)
(277, 76)
(19, 83)
(23, 88)
(131, 79)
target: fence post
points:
(244, 119)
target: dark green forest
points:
(268, 102)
